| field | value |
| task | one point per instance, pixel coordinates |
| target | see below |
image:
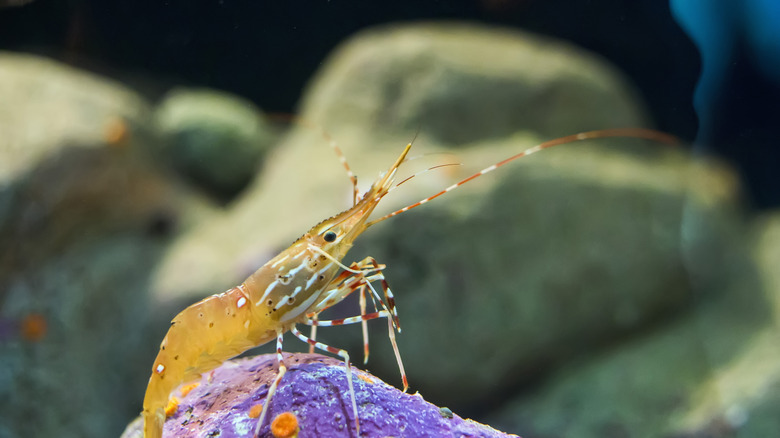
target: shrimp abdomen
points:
(200, 338)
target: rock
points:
(369, 96)
(47, 104)
(767, 253)
(715, 373)
(92, 298)
(315, 390)
(215, 138)
(85, 214)
(451, 84)
(541, 261)
(75, 160)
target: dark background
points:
(266, 51)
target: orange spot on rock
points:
(173, 405)
(365, 378)
(33, 327)
(187, 388)
(255, 411)
(285, 425)
(116, 132)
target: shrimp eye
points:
(330, 236)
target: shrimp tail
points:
(153, 422)
(200, 338)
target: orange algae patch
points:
(285, 425)
(173, 404)
(33, 327)
(255, 411)
(187, 388)
(364, 377)
(116, 132)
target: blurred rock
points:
(457, 83)
(215, 138)
(47, 104)
(713, 374)
(85, 214)
(544, 260)
(75, 158)
(577, 252)
(377, 92)
(571, 251)
(315, 390)
(767, 253)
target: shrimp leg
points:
(363, 319)
(344, 355)
(279, 375)
(363, 323)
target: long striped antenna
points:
(648, 134)
(438, 166)
(331, 142)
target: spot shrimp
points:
(294, 287)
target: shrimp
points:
(293, 288)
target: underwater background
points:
(620, 288)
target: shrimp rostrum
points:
(291, 289)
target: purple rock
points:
(315, 390)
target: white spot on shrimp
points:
(160, 368)
(241, 302)
(267, 291)
(300, 308)
(246, 324)
(298, 269)
(276, 263)
(295, 292)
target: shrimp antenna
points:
(438, 166)
(648, 134)
(331, 142)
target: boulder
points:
(215, 138)
(713, 373)
(315, 391)
(85, 215)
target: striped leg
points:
(313, 334)
(362, 274)
(349, 281)
(272, 389)
(344, 355)
(363, 323)
(364, 318)
(379, 276)
(359, 282)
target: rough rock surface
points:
(315, 390)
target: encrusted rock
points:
(315, 391)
